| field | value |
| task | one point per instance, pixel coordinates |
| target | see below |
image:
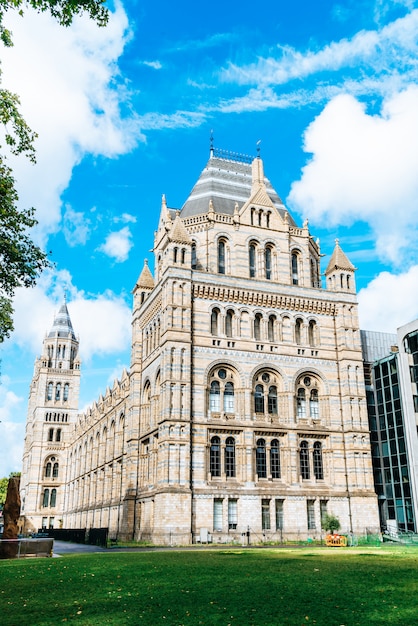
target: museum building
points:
(244, 407)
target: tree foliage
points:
(63, 11)
(4, 482)
(21, 260)
(3, 490)
(330, 523)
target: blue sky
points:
(124, 114)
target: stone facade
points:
(244, 408)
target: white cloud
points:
(179, 119)
(72, 95)
(125, 218)
(76, 227)
(364, 168)
(156, 65)
(102, 321)
(12, 433)
(389, 301)
(379, 50)
(118, 245)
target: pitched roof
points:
(226, 182)
(339, 260)
(145, 280)
(178, 232)
(62, 326)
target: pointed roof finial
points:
(211, 144)
(339, 260)
(258, 148)
(145, 280)
(62, 326)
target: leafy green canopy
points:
(21, 261)
(63, 11)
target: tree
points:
(21, 260)
(3, 491)
(3, 487)
(330, 523)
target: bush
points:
(330, 523)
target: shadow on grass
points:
(268, 587)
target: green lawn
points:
(325, 586)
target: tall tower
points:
(52, 410)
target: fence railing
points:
(22, 548)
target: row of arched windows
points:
(222, 459)
(265, 394)
(56, 417)
(60, 352)
(59, 389)
(98, 448)
(262, 262)
(271, 329)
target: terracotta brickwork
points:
(244, 408)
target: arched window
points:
(267, 263)
(53, 501)
(271, 328)
(275, 459)
(215, 397)
(221, 256)
(222, 391)
(183, 255)
(45, 501)
(265, 393)
(175, 252)
(318, 467)
(257, 326)
(272, 400)
(51, 434)
(48, 468)
(295, 269)
(314, 404)
(252, 259)
(301, 403)
(57, 391)
(215, 456)
(228, 323)
(298, 331)
(261, 459)
(230, 457)
(229, 398)
(214, 322)
(304, 460)
(55, 470)
(259, 399)
(312, 333)
(58, 435)
(49, 393)
(194, 257)
(307, 392)
(66, 392)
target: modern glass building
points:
(392, 402)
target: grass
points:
(327, 587)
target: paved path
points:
(65, 547)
